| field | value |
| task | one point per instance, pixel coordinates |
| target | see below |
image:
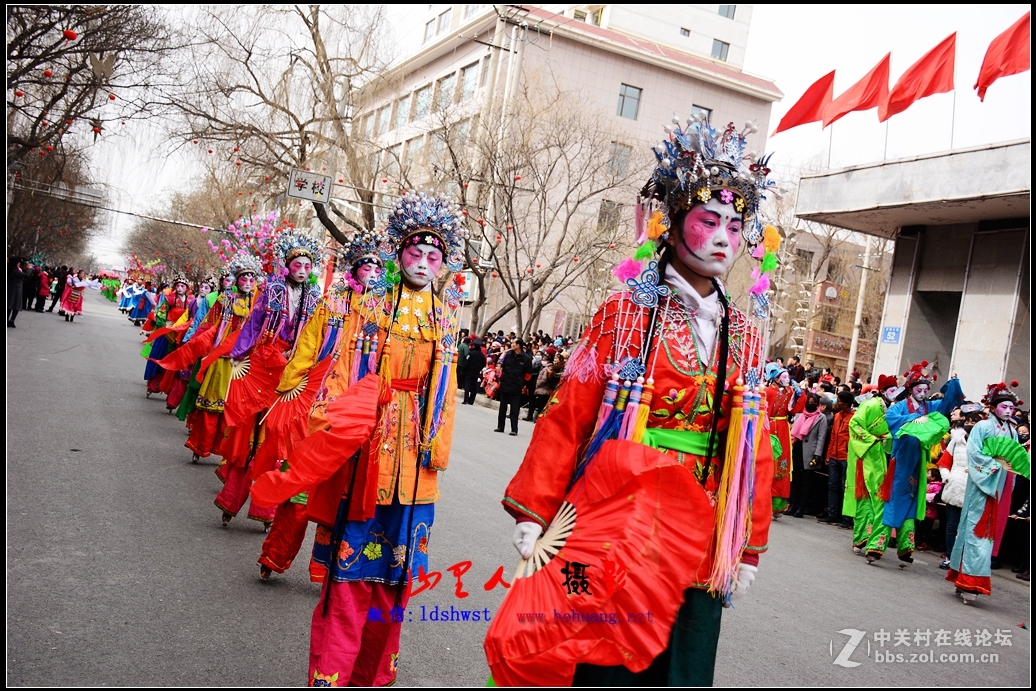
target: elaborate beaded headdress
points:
(362, 248)
(291, 243)
(696, 162)
(181, 277)
(210, 281)
(420, 219)
(244, 263)
(919, 374)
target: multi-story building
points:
(639, 64)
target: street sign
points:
(890, 334)
(309, 186)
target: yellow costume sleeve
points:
(306, 349)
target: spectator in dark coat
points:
(59, 286)
(513, 367)
(18, 273)
(474, 363)
(795, 370)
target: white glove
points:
(958, 435)
(745, 577)
(525, 535)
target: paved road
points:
(119, 574)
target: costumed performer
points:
(216, 336)
(198, 312)
(72, 297)
(260, 353)
(916, 424)
(969, 568)
(385, 426)
(783, 398)
(319, 346)
(179, 379)
(143, 302)
(656, 444)
(172, 304)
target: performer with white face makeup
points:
(987, 475)
(260, 353)
(915, 424)
(321, 341)
(380, 434)
(651, 389)
(172, 304)
(783, 400)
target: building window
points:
(629, 101)
(608, 217)
(403, 111)
(707, 112)
(423, 102)
(619, 159)
(444, 21)
(429, 30)
(468, 81)
(595, 17)
(385, 119)
(719, 49)
(470, 10)
(685, 32)
(392, 160)
(445, 89)
(437, 148)
(579, 15)
(368, 126)
(727, 11)
(415, 151)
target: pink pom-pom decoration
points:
(758, 252)
(628, 268)
(760, 286)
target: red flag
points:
(809, 108)
(869, 92)
(932, 74)
(1007, 54)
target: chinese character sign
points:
(309, 186)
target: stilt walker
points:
(287, 423)
(259, 355)
(385, 427)
(646, 486)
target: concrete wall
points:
(988, 308)
(898, 301)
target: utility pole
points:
(858, 320)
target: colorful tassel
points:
(582, 364)
(629, 419)
(643, 411)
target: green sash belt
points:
(686, 441)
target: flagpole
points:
(830, 141)
(953, 117)
(885, 153)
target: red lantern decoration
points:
(235, 151)
(42, 152)
(528, 271)
(499, 238)
(238, 163)
(239, 193)
(341, 180)
(494, 274)
(465, 185)
(44, 123)
(307, 168)
(69, 122)
(323, 168)
(50, 148)
(210, 151)
(384, 180)
(517, 178)
(510, 227)
(111, 97)
(19, 94)
(611, 246)
(538, 265)
(70, 35)
(575, 259)
(267, 178)
(48, 73)
(463, 212)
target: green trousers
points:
(878, 535)
(690, 659)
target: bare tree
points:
(43, 219)
(269, 88)
(545, 202)
(74, 68)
